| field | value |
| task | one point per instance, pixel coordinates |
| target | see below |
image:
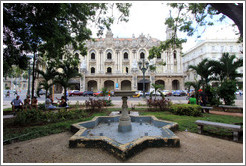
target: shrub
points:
(95, 105)
(212, 94)
(186, 109)
(227, 91)
(33, 117)
(158, 104)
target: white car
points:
(166, 92)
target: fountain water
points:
(124, 135)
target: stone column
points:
(82, 82)
(117, 62)
(100, 61)
(134, 80)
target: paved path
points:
(195, 148)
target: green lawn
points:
(188, 122)
(11, 131)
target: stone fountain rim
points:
(123, 147)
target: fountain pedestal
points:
(125, 120)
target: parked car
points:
(153, 92)
(88, 93)
(167, 93)
(75, 93)
(42, 92)
(239, 92)
(98, 93)
(179, 93)
(136, 95)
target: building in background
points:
(113, 63)
(211, 49)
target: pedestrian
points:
(49, 102)
(8, 94)
(27, 103)
(34, 103)
(202, 98)
(192, 99)
(62, 102)
(17, 104)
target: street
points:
(82, 98)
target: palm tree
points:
(204, 70)
(48, 77)
(69, 67)
(226, 67)
(157, 87)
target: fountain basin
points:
(101, 132)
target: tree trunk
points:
(33, 74)
(234, 12)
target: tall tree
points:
(204, 15)
(204, 70)
(68, 69)
(226, 67)
(48, 27)
(47, 76)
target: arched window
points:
(125, 55)
(174, 54)
(109, 70)
(76, 55)
(142, 56)
(109, 56)
(93, 55)
(92, 70)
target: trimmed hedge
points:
(186, 109)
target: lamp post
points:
(143, 66)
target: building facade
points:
(113, 63)
(211, 49)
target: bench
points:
(226, 107)
(57, 108)
(234, 128)
(206, 109)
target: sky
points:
(149, 17)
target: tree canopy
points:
(206, 14)
(48, 27)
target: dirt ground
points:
(194, 148)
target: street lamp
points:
(143, 66)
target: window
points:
(213, 48)
(76, 55)
(109, 56)
(92, 70)
(231, 48)
(93, 55)
(175, 54)
(125, 55)
(222, 49)
(159, 56)
(126, 69)
(109, 70)
(142, 56)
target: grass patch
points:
(7, 109)
(22, 133)
(31, 132)
(188, 122)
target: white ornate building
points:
(211, 49)
(113, 63)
